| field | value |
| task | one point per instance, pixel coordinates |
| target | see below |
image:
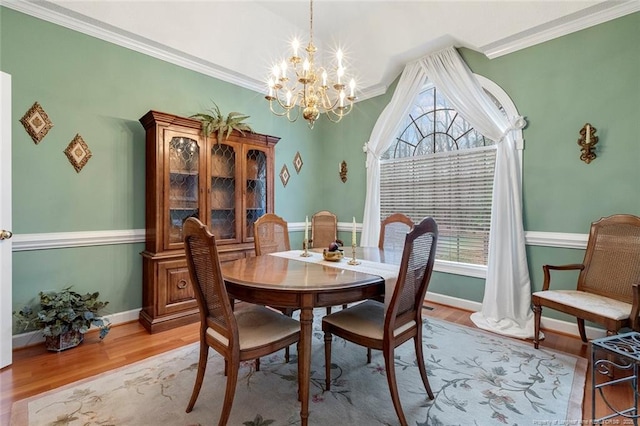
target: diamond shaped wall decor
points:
(36, 122)
(297, 162)
(284, 175)
(78, 153)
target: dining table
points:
(291, 280)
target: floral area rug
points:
(478, 378)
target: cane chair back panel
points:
(612, 259)
(271, 234)
(393, 231)
(211, 294)
(324, 229)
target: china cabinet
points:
(227, 185)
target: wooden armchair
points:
(608, 290)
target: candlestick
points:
(353, 260)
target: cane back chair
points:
(375, 326)
(244, 334)
(607, 291)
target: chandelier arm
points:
(311, 92)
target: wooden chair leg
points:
(257, 364)
(423, 371)
(537, 316)
(389, 363)
(368, 355)
(286, 355)
(583, 333)
(327, 359)
(328, 310)
(202, 366)
(229, 393)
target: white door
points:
(5, 220)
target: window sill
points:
(476, 271)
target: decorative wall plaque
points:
(343, 171)
(297, 162)
(78, 153)
(284, 175)
(36, 122)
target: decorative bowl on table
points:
(332, 256)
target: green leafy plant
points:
(213, 121)
(62, 311)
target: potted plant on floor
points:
(63, 317)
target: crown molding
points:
(594, 15)
(55, 14)
(58, 15)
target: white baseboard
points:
(559, 326)
(34, 337)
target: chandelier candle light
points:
(309, 89)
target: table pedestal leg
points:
(304, 358)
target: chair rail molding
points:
(54, 240)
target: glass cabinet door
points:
(183, 184)
(223, 192)
(256, 188)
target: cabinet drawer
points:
(175, 291)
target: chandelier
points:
(309, 89)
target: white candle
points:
(295, 45)
(353, 232)
(306, 228)
(588, 134)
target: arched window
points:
(440, 166)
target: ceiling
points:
(238, 41)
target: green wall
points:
(100, 90)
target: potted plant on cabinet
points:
(213, 121)
(64, 316)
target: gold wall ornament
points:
(284, 175)
(587, 142)
(36, 122)
(78, 153)
(343, 171)
(297, 162)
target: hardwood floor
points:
(35, 370)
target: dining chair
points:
(393, 230)
(324, 229)
(271, 235)
(607, 291)
(238, 335)
(377, 326)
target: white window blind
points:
(455, 188)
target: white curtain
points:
(383, 134)
(506, 307)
